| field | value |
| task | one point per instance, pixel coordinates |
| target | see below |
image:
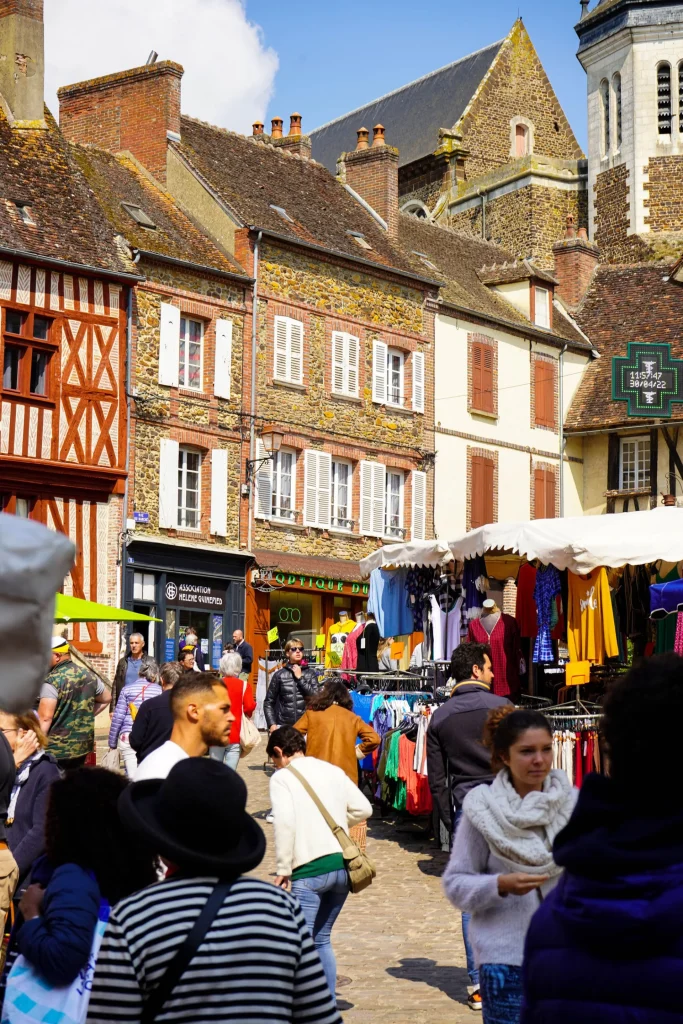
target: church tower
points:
(632, 52)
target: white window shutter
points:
(223, 372)
(264, 485)
(168, 483)
(379, 497)
(366, 498)
(372, 498)
(219, 492)
(296, 352)
(281, 345)
(419, 519)
(338, 352)
(352, 365)
(324, 489)
(169, 344)
(418, 361)
(317, 488)
(379, 372)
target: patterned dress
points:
(548, 586)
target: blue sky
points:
(336, 56)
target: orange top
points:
(331, 735)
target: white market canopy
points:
(577, 543)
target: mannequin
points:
(501, 632)
(336, 638)
(360, 617)
(367, 646)
(490, 615)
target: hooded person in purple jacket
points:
(607, 943)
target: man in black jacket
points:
(153, 723)
(285, 701)
(457, 760)
(245, 651)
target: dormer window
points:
(139, 216)
(281, 212)
(542, 307)
(25, 213)
(360, 239)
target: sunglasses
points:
(297, 649)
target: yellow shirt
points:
(336, 638)
(591, 634)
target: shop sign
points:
(194, 595)
(648, 379)
(321, 583)
(141, 517)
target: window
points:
(544, 493)
(542, 307)
(395, 361)
(345, 349)
(544, 393)
(393, 523)
(341, 495)
(189, 471)
(664, 98)
(281, 212)
(25, 213)
(289, 350)
(360, 239)
(139, 216)
(521, 140)
(604, 101)
(387, 374)
(482, 355)
(27, 353)
(283, 492)
(481, 491)
(634, 471)
(616, 89)
(144, 586)
(190, 354)
(22, 508)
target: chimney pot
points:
(569, 233)
(583, 234)
(276, 128)
(363, 136)
(378, 135)
(257, 128)
(295, 124)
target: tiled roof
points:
(413, 114)
(301, 565)
(507, 273)
(37, 169)
(117, 180)
(456, 258)
(623, 304)
(251, 177)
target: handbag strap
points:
(180, 961)
(316, 800)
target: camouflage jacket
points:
(72, 733)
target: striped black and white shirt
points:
(256, 964)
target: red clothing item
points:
(350, 655)
(526, 614)
(241, 700)
(418, 795)
(506, 652)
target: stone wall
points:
(612, 218)
(665, 193)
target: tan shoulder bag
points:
(360, 869)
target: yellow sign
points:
(578, 673)
(397, 650)
(320, 642)
(272, 634)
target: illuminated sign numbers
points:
(648, 379)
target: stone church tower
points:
(632, 52)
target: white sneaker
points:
(269, 817)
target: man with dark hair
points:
(200, 706)
(153, 724)
(457, 760)
(70, 698)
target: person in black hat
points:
(255, 959)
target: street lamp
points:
(271, 439)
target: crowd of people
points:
(132, 894)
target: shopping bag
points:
(28, 997)
(250, 737)
(110, 760)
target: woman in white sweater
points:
(501, 865)
(307, 854)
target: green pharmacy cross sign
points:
(648, 379)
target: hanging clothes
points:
(591, 634)
(526, 613)
(446, 619)
(506, 652)
(367, 646)
(388, 601)
(350, 653)
(546, 589)
(419, 582)
(475, 585)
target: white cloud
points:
(229, 71)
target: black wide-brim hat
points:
(196, 818)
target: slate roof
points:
(457, 258)
(411, 115)
(604, 7)
(623, 304)
(249, 176)
(116, 180)
(37, 168)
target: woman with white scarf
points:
(501, 866)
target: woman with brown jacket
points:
(331, 729)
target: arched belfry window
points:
(616, 89)
(664, 98)
(604, 100)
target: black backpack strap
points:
(180, 961)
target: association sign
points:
(648, 379)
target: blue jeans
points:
(501, 993)
(321, 899)
(471, 967)
(229, 755)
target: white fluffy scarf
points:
(520, 832)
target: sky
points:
(266, 58)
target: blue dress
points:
(548, 586)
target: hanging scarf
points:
(520, 832)
(22, 775)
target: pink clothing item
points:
(350, 653)
(506, 652)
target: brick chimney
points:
(135, 110)
(372, 172)
(295, 142)
(575, 260)
(22, 60)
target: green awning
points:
(75, 609)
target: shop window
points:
(482, 356)
(544, 393)
(345, 357)
(481, 491)
(28, 351)
(289, 350)
(664, 98)
(388, 366)
(634, 463)
(544, 493)
(283, 485)
(604, 104)
(189, 493)
(190, 353)
(542, 307)
(341, 495)
(616, 89)
(144, 584)
(393, 524)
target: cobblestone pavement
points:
(399, 941)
